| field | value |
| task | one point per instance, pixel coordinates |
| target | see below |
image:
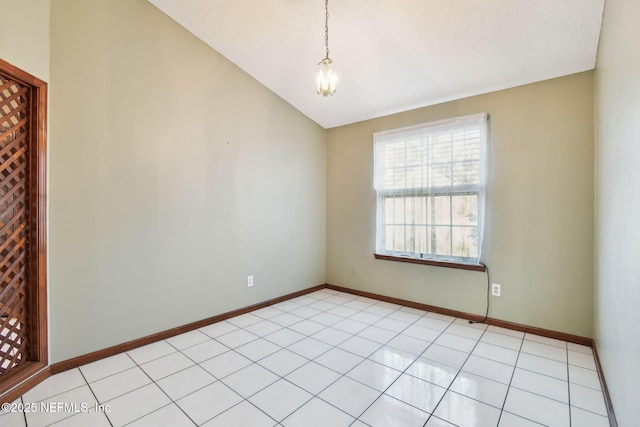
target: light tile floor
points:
(329, 359)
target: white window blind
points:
(430, 182)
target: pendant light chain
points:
(326, 27)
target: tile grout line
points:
(515, 365)
(568, 385)
(94, 395)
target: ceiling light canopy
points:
(327, 78)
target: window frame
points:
(477, 189)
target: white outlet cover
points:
(496, 289)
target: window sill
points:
(473, 267)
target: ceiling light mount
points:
(327, 78)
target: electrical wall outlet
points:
(249, 281)
(496, 289)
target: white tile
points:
(579, 348)
(326, 319)
(583, 360)
(54, 385)
(250, 380)
(208, 402)
(588, 399)
(365, 317)
(494, 352)
(184, 382)
(433, 323)
(408, 344)
(282, 362)
(537, 408)
(374, 375)
(544, 350)
(482, 389)
(284, 337)
(286, 319)
(136, 404)
(306, 312)
(236, 338)
(225, 364)
(83, 419)
(188, 339)
(339, 360)
(286, 306)
(445, 355)
(543, 385)
(465, 331)
(105, 367)
(313, 377)
(206, 350)
(439, 316)
(393, 358)
(74, 399)
(422, 333)
(350, 396)
(303, 300)
(358, 423)
(420, 394)
(542, 365)
(432, 371)
(360, 346)
(404, 316)
(489, 369)
(267, 312)
(322, 305)
(167, 416)
(307, 327)
(263, 328)
(357, 304)
(379, 310)
(119, 384)
(350, 326)
(437, 422)
(217, 329)
(342, 311)
(388, 411)
(340, 298)
(580, 417)
(585, 377)
(501, 340)
(456, 342)
(167, 365)
(545, 340)
(505, 331)
(509, 420)
(463, 411)
(318, 413)
(393, 325)
(258, 349)
(309, 348)
(241, 415)
(280, 399)
(377, 334)
(13, 419)
(244, 320)
(331, 336)
(470, 324)
(151, 352)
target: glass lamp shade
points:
(327, 78)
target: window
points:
(430, 184)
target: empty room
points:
(319, 213)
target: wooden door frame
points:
(37, 353)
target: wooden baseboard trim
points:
(28, 377)
(605, 390)
(468, 316)
(130, 345)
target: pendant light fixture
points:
(327, 78)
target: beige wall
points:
(174, 175)
(539, 238)
(24, 40)
(617, 291)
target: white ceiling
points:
(395, 55)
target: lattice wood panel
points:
(14, 137)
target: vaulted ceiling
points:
(395, 55)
